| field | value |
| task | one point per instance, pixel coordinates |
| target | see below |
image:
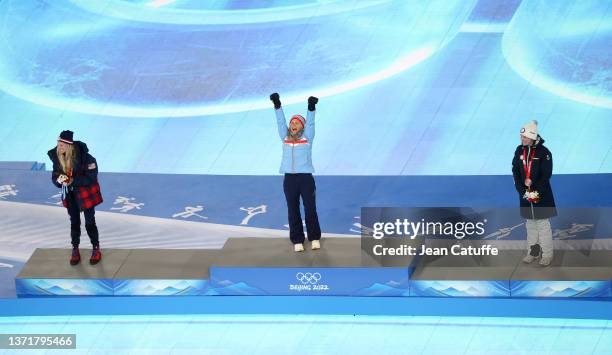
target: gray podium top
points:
(278, 252)
(456, 267)
(53, 264)
(121, 264)
(508, 265)
(570, 265)
(335, 252)
(167, 264)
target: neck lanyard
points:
(526, 164)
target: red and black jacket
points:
(84, 177)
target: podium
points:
(269, 266)
(122, 272)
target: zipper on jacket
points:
(292, 159)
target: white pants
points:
(539, 232)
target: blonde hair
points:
(66, 160)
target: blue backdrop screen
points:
(421, 87)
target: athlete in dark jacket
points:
(75, 171)
(532, 168)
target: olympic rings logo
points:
(308, 278)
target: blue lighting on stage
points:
(564, 48)
(412, 83)
(214, 61)
(223, 12)
(322, 334)
(421, 103)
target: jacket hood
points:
(82, 147)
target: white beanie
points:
(530, 130)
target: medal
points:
(527, 162)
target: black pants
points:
(296, 185)
(75, 222)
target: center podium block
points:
(269, 266)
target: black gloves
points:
(312, 101)
(276, 100)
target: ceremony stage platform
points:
(571, 274)
(122, 272)
(269, 267)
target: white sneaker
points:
(315, 244)
(298, 247)
(529, 259)
(546, 260)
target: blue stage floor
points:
(287, 325)
(283, 334)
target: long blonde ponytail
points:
(67, 160)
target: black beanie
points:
(66, 137)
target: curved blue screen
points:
(428, 87)
(564, 48)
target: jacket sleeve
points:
(516, 173)
(55, 174)
(309, 130)
(546, 167)
(89, 174)
(281, 123)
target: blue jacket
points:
(297, 156)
